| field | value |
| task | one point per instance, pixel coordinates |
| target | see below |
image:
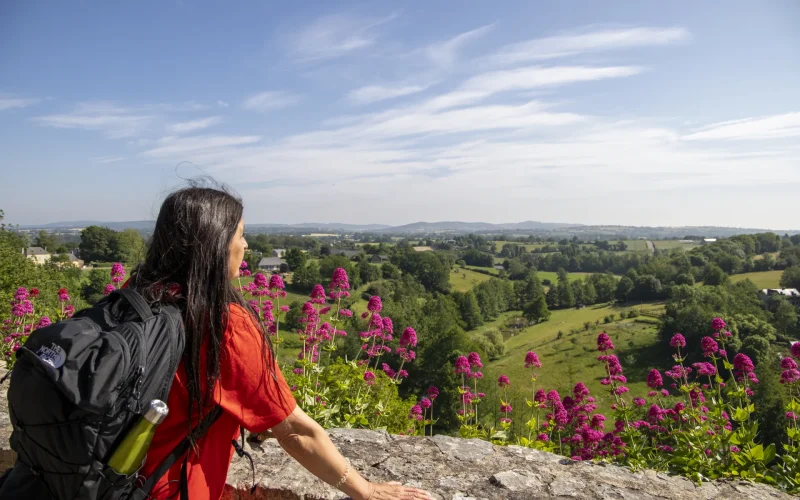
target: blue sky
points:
(641, 113)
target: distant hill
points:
(417, 229)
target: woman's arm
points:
(309, 444)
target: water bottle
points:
(130, 453)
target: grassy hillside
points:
(670, 244)
(463, 280)
(568, 354)
(765, 279)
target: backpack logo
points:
(53, 355)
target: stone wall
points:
(453, 469)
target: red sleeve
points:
(251, 388)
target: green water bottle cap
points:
(157, 412)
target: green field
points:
(463, 280)
(573, 357)
(636, 245)
(671, 244)
(528, 246)
(553, 276)
(485, 269)
(765, 279)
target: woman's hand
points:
(395, 491)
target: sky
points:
(624, 112)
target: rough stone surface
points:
(452, 469)
(466, 469)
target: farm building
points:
(279, 252)
(271, 264)
(350, 254)
(791, 294)
(379, 259)
(37, 254)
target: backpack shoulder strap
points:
(140, 305)
(180, 450)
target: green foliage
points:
(715, 276)
(429, 268)
(389, 271)
(93, 287)
(469, 309)
(295, 258)
(99, 244)
(624, 288)
(304, 278)
(791, 277)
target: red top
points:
(249, 397)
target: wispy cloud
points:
(334, 36)
(11, 102)
(107, 159)
(768, 127)
(181, 147)
(222, 104)
(528, 78)
(113, 120)
(374, 93)
(193, 125)
(595, 41)
(444, 54)
(267, 101)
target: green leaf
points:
(726, 364)
(769, 453)
(757, 452)
(740, 415)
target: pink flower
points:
(639, 401)
(705, 369)
(735, 449)
(416, 410)
(108, 289)
(655, 414)
(347, 313)
(531, 359)
(433, 392)
(369, 378)
(717, 324)
(21, 293)
(543, 437)
(340, 281)
(475, 360)
(709, 346)
(409, 338)
(743, 363)
(503, 381)
(604, 342)
(402, 374)
(43, 322)
(425, 403)
(789, 415)
(388, 370)
(317, 294)
(505, 408)
(790, 376)
(260, 280)
(374, 304)
(276, 282)
(654, 380)
(284, 308)
(621, 390)
(678, 372)
(540, 396)
(795, 350)
(677, 341)
(788, 364)
(243, 265)
(69, 311)
(63, 295)
(34, 292)
(580, 391)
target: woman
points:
(196, 249)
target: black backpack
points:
(79, 386)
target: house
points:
(423, 249)
(379, 259)
(37, 254)
(74, 261)
(350, 254)
(708, 241)
(792, 294)
(499, 267)
(279, 252)
(271, 264)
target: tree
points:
(99, 244)
(367, 272)
(93, 288)
(551, 298)
(785, 316)
(565, 296)
(537, 311)
(589, 293)
(469, 310)
(306, 277)
(791, 277)
(715, 276)
(605, 285)
(252, 261)
(389, 271)
(130, 246)
(684, 279)
(624, 288)
(295, 258)
(46, 240)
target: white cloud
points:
(527, 78)
(222, 104)
(596, 41)
(267, 101)
(10, 102)
(180, 147)
(193, 125)
(113, 120)
(107, 159)
(334, 36)
(374, 93)
(444, 53)
(769, 127)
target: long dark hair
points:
(187, 263)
